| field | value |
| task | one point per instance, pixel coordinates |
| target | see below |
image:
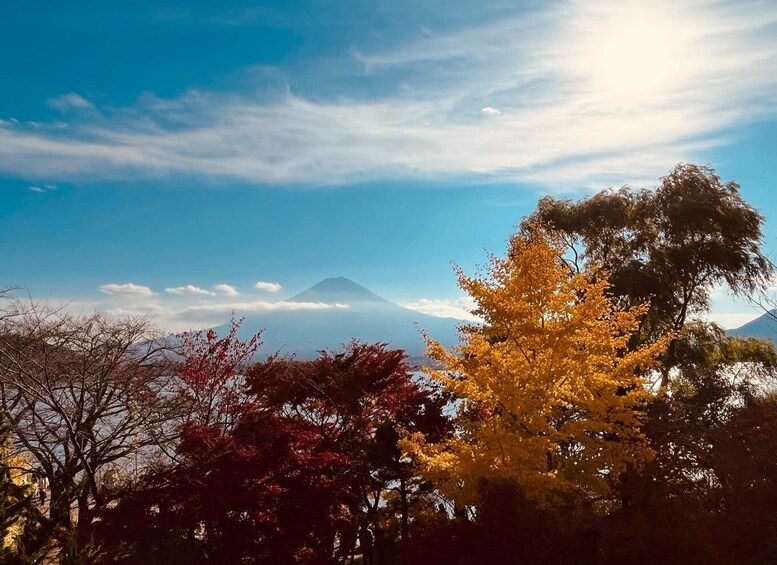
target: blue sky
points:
(158, 157)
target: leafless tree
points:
(82, 395)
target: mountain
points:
(338, 290)
(764, 326)
(353, 312)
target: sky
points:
(159, 157)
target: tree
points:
(673, 245)
(263, 491)
(81, 395)
(708, 496)
(669, 246)
(281, 465)
(210, 382)
(357, 400)
(249, 482)
(550, 398)
(717, 377)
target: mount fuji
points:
(348, 311)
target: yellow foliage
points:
(16, 465)
(549, 396)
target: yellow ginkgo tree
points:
(549, 396)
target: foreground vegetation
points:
(592, 417)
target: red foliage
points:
(260, 494)
(210, 376)
(272, 470)
(347, 395)
(356, 400)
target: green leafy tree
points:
(669, 246)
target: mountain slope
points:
(764, 326)
(338, 290)
(361, 315)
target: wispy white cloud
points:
(582, 89)
(771, 285)
(215, 313)
(491, 111)
(260, 306)
(190, 289)
(126, 289)
(460, 308)
(267, 286)
(226, 290)
(174, 312)
(42, 188)
(70, 101)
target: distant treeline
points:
(593, 416)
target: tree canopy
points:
(670, 245)
(550, 398)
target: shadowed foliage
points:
(669, 246)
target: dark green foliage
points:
(669, 246)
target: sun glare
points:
(634, 59)
(636, 51)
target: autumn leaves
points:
(550, 398)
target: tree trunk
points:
(59, 509)
(403, 508)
